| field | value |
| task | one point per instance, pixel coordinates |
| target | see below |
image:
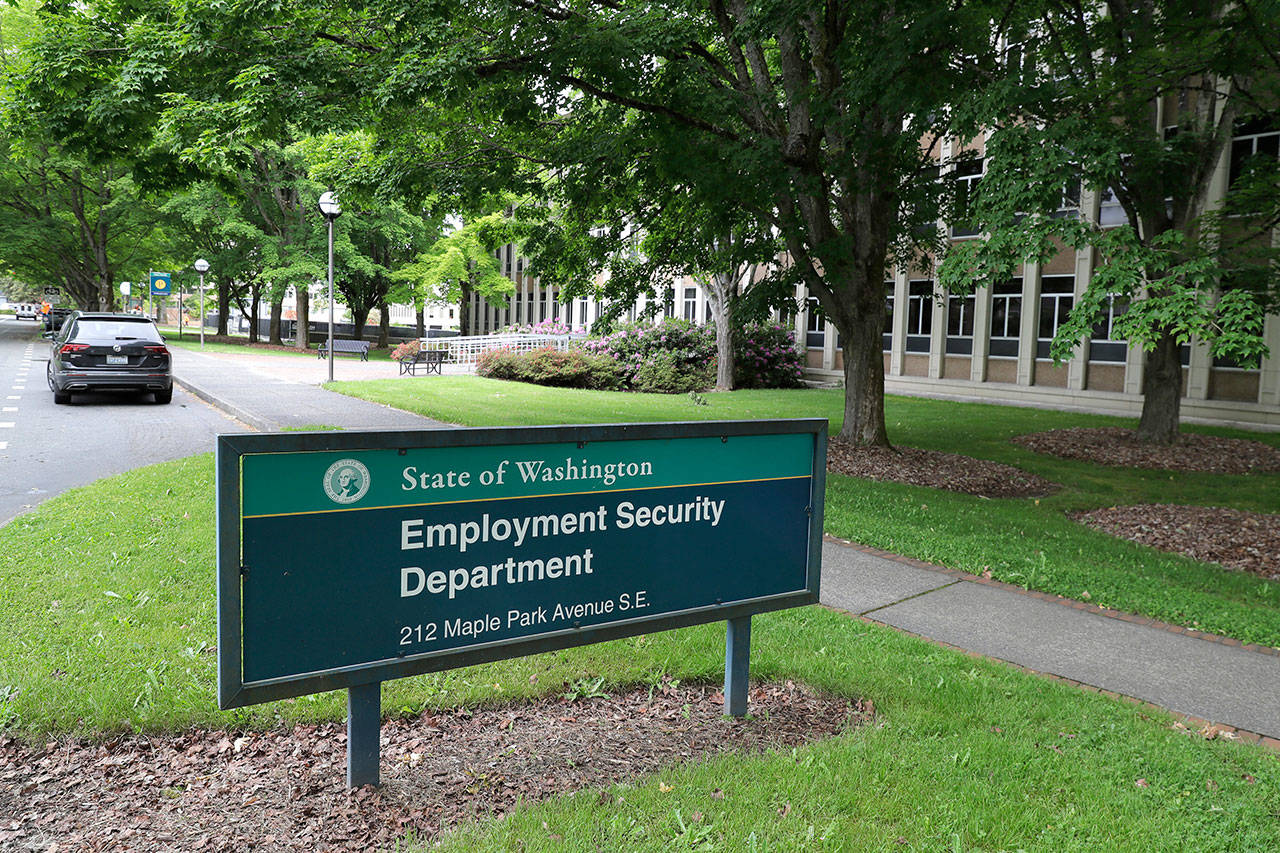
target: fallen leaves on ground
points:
(1247, 541)
(285, 790)
(950, 471)
(1120, 447)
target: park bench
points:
(431, 358)
(360, 348)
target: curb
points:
(1207, 729)
(252, 421)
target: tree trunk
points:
(422, 323)
(106, 296)
(384, 325)
(255, 308)
(464, 309)
(359, 315)
(302, 338)
(224, 307)
(273, 334)
(718, 292)
(863, 379)
(1161, 393)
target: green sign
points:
(346, 558)
(161, 285)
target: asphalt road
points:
(46, 449)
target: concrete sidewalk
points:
(1207, 678)
(274, 392)
(1211, 679)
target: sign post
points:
(346, 559)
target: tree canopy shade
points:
(1139, 101)
(808, 115)
(814, 117)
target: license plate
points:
(117, 359)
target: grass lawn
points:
(106, 625)
(1027, 542)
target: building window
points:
(691, 304)
(1257, 138)
(815, 330)
(669, 303)
(1057, 295)
(960, 308)
(919, 315)
(1104, 344)
(1006, 318)
(967, 175)
(1069, 204)
(582, 314)
(1110, 211)
(887, 336)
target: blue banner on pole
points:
(161, 284)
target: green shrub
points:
(667, 373)
(573, 368)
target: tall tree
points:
(66, 220)
(812, 112)
(1139, 100)
(460, 264)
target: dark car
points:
(55, 318)
(108, 352)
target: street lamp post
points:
(202, 267)
(330, 210)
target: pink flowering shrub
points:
(676, 356)
(548, 326)
(406, 349)
(767, 357)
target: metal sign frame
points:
(233, 691)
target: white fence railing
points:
(467, 350)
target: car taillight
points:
(158, 349)
(66, 348)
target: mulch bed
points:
(285, 790)
(1247, 541)
(1118, 446)
(938, 470)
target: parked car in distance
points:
(26, 311)
(55, 318)
(108, 352)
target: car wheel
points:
(164, 396)
(61, 397)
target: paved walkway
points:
(275, 392)
(1206, 678)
